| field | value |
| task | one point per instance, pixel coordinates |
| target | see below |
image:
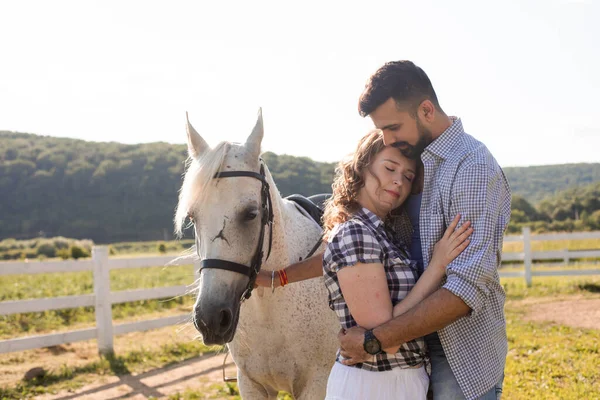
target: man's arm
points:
(435, 312)
(432, 314)
(310, 268)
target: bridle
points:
(266, 219)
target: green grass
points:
(552, 245)
(549, 361)
(150, 247)
(17, 287)
(545, 361)
(516, 289)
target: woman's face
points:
(388, 181)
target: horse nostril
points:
(196, 320)
(225, 320)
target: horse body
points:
(287, 339)
(284, 340)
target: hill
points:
(538, 182)
(111, 192)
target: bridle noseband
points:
(266, 219)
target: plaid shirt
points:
(363, 239)
(461, 176)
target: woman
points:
(370, 278)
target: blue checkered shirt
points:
(365, 239)
(462, 176)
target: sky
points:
(522, 75)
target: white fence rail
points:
(103, 298)
(528, 256)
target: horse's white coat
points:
(284, 340)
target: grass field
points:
(545, 360)
(552, 245)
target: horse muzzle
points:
(217, 324)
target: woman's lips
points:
(395, 194)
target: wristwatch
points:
(372, 345)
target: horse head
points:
(228, 211)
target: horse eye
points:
(250, 215)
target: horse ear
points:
(255, 138)
(196, 145)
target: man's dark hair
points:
(403, 81)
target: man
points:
(463, 321)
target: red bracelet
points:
(283, 279)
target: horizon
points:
(127, 72)
(265, 151)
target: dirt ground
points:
(205, 372)
(579, 313)
(197, 374)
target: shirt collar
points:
(444, 144)
(370, 217)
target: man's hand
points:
(352, 346)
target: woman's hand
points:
(451, 244)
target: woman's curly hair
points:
(349, 179)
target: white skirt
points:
(350, 383)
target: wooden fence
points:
(103, 299)
(527, 256)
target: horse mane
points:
(196, 182)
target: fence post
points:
(566, 256)
(527, 254)
(103, 304)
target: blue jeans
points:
(443, 383)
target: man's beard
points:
(414, 151)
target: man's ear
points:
(427, 110)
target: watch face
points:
(372, 346)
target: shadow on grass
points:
(119, 366)
(590, 287)
(38, 385)
(105, 364)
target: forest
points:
(112, 192)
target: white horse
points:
(285, 340)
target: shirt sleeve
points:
(353, 243)
(481, 195)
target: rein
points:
(266, 219)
